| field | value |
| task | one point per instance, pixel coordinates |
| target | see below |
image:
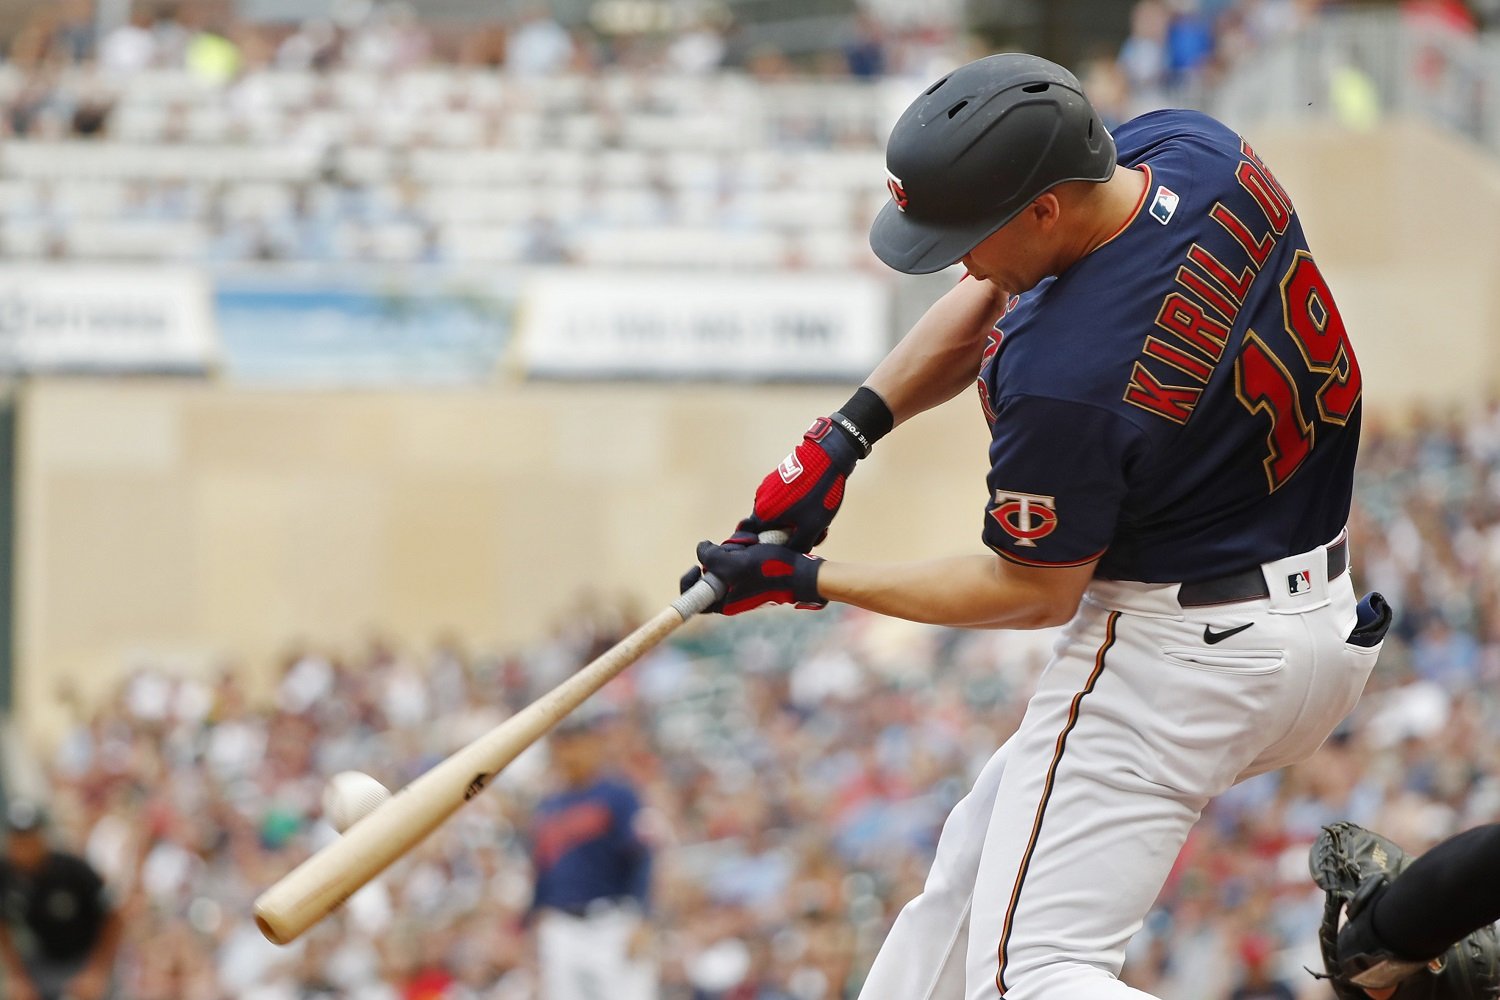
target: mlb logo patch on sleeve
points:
(1164, 205)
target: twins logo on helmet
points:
(898, 190)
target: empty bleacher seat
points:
(136, 240)
(475, 244)
(472, 166)
(396, 242)
(674, 247)
(478, 203)
(28, 238)
(267, 200)
(90, 199)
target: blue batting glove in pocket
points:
(1372, 621)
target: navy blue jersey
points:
(1183, 401)
(584, 847)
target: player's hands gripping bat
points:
(757, 574)
(1353, 866)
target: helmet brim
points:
(923, 247)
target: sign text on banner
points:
(61, 318)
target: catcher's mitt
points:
(1354, 866)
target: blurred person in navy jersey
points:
(593, 875)
(60, 933)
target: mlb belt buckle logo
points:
(1025, 516)
(1299, 582)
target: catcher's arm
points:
(1398, 929)
(1442, 897)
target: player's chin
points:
(1381, 994)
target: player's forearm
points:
(959, 591)
(1446, 894)
(940, 356)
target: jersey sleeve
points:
(1058, 474)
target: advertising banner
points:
(656, 324)
(107, 319)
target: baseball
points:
(349, 796)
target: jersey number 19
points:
(1266, 385)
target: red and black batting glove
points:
(804, 492)
(758, 574)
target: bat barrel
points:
(324, 881)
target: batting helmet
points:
(975, 149)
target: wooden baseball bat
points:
(319, 885)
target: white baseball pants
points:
(1050, 864)
(587, 957)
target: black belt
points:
(1250, 584)
(593, 907)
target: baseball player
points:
(593, 875)
(1175, 408)
(1403, 928)
(60, 932)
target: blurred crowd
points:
(1173, 46)
(359, 138)
(795, 770)
(1172, 51)
(526, 39)
(1178, 52)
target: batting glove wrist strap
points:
(865, 418)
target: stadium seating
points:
(633, 169)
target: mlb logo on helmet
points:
(1299, 583)
(898, 191)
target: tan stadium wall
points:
(181, 522)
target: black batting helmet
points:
(977, 147)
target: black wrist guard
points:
(864, 419)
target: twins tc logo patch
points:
(1299, 583)
(1164, 205)
(898, 191)
(1025, 516)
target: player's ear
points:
(1045, 211)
